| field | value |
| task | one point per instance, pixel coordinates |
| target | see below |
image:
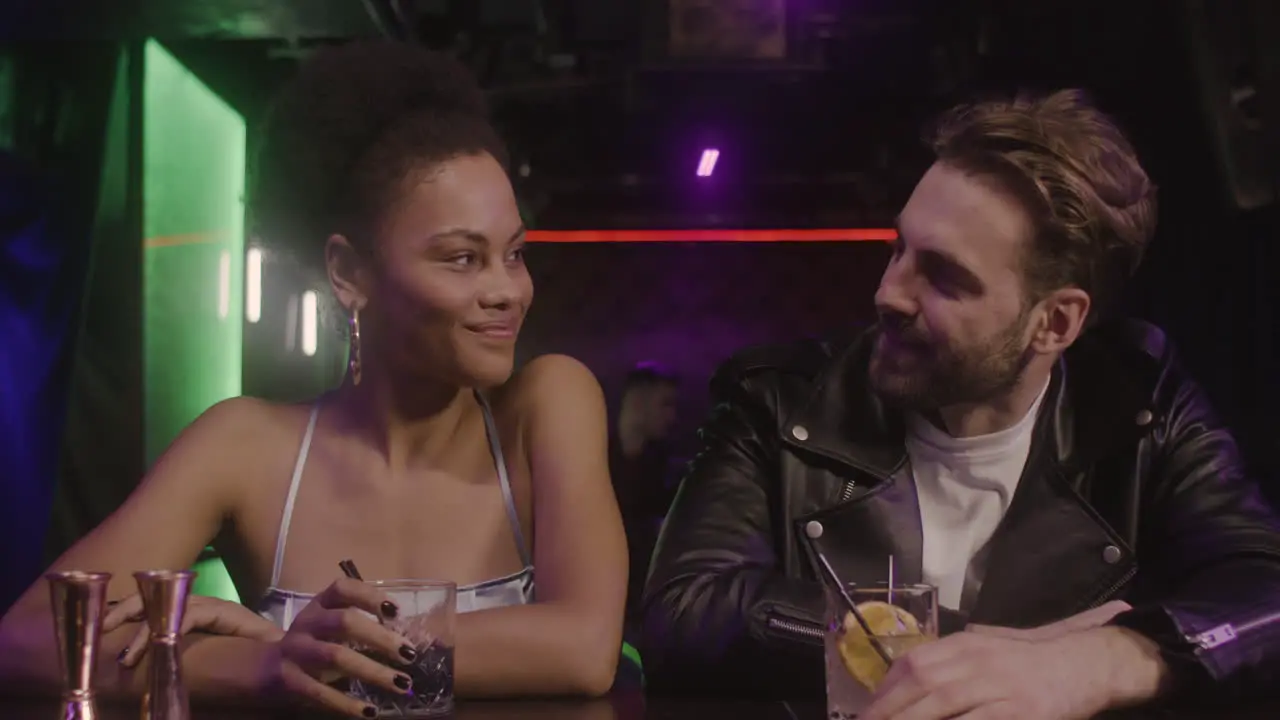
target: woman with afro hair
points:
(433, 459)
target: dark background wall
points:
(690, 306)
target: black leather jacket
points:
(1132, 490)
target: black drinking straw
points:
(349, 569)
(814, 531)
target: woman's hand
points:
(203, 614)
(317, 649)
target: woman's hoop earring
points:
(353, 353)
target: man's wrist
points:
(1129, 667)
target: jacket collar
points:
(844, 420)
(1097, 398)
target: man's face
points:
(952, 303)
(658, 408)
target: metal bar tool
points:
(164, 600)
(78, 600)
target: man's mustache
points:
(904, 333)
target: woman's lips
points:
(504, 330)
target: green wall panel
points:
(193, 164)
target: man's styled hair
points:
(649, 374)
(1093, 206)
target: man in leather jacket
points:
(1059, 477)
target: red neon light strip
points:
(671, 236)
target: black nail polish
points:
(408, 653)
(403, 682)
(369, 711)
(123, 654)
(389, 609)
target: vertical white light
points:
(224, 284)
(253, 285)
(309, 323)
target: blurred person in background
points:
(640, 465)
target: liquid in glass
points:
(426, 617)
(900, 620)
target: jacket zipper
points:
(847, 492)
(796, 627)
(1228, 632)
(1115, 587)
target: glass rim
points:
(411, 584)
(883, 588)
(77, 576)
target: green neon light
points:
(630, 653)
(193, 163)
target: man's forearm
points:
(739, 606)
(743, 632)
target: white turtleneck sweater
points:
(964, 487)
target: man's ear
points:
(1065, 311)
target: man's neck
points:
(998, 413)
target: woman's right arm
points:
(172, 515)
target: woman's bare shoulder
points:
(553, 378)
(239, 433)
(250, 419)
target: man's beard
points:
(920, 374)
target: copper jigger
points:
(78, 599)
(164, 599)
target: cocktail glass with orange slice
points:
(900, 619)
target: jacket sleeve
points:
(1216, 544)
(715, 581)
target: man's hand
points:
(975, 676)
(1086, 620)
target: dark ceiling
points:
(609, 124)
(176, 19)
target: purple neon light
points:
(707, 164)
